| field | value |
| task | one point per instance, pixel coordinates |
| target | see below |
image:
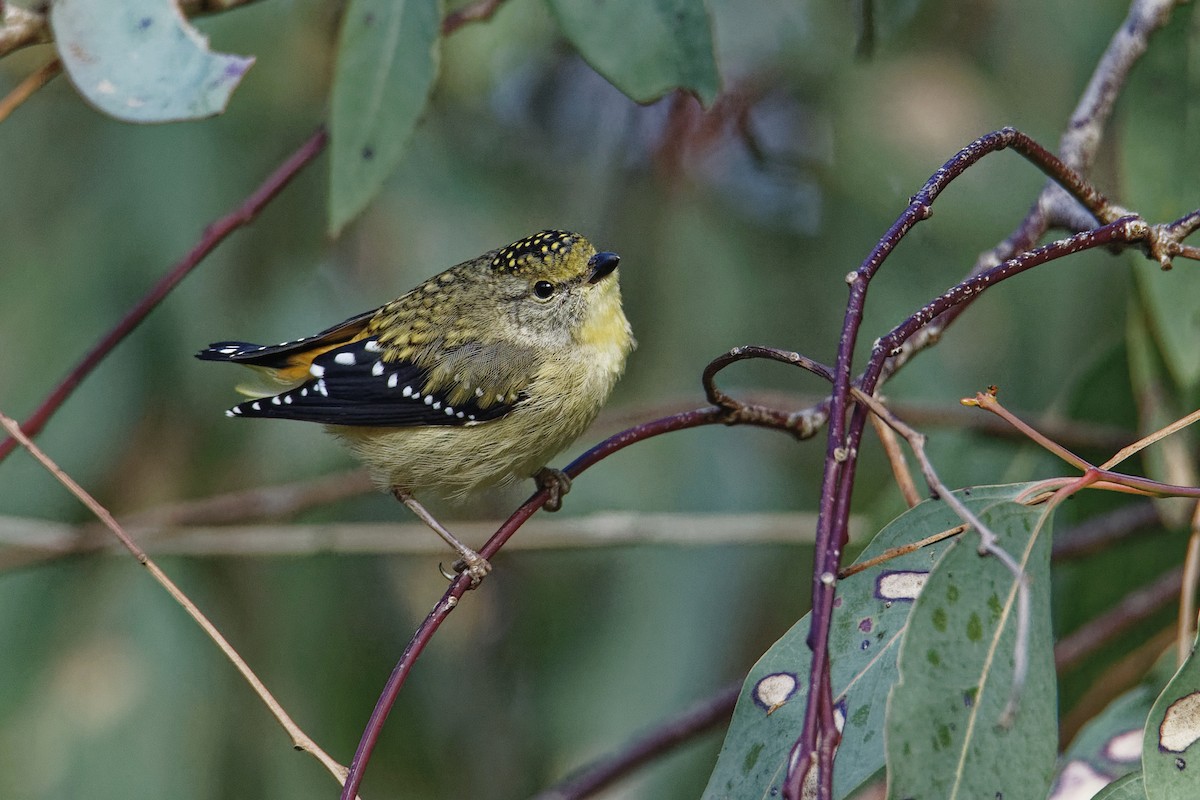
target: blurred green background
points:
(108, 690)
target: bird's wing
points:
(286, 363)
(355, 384)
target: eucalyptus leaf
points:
(1130, 787)
(871, 616)
(1171, 743)
(142, 61)
(387, 60)
(645, 48)
(949, 732)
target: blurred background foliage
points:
(107, 690)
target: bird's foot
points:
(556, 482)
(474, 565)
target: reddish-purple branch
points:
(819, 734)
(213, 235)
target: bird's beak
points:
(602, 264)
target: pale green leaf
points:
(645, 48)
(868, 622)
(1171, 744)
(1130, 787)
(387, 61)
(1108, 747)
(947, 735)
(142, 61)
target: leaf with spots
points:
(645, 48)
(1110, 745)
(387, 61)
(142, 61)
(1171, 740)
(947, 733)
(871, 616)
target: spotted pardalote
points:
(479, 375)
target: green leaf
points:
(1169, 460)
(868, 622)
(947, 736)
(1170, 302)
(1108, 747)
(1130, 787)
(141, 61)
(645, 48)
(386, 64)
(1171, 743)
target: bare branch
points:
(300, 740)
(676, 731)
(213, 235)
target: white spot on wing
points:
(345, 359)
(377, 368)
(316, 370)
(372, 346)
(407, 391)
(393, 380)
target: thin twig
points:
(988, 544)
(676, 731)
(300, 740)
(1092, 475)
(899, 464)
(1146, 441)
(26, 541)
(1187, 591)
(25, 89)
(213, 235)
(460, 585)
(902, 550)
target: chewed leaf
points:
(142, 61)
(869, 621)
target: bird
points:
(476, 377)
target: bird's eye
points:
(543, 290)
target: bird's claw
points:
(474, 565)
(556, 483)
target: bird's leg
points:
(468, 561)
(554, 481)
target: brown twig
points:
(300, 740)
(1187, 592)
(213, 235)
(461, 584)
(25, 89)
(988, 544)
(899, 464)
(676, 731)
(1102, 475)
